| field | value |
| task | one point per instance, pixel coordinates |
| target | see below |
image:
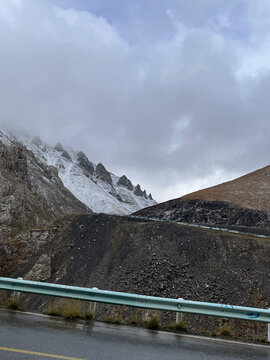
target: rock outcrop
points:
(103, 174)
(124, 181)
(85, 164)
(31, 193)
(138, 190)
(66, 155)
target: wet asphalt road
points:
(31, 334)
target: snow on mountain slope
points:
(92, 184)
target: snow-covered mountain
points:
(92, 184)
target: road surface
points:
(25, 336)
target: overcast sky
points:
(175, 94)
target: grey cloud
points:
(172, 114)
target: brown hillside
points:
(249, 191)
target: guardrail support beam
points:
(179, 315)
(93, 304)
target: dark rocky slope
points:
(207, 212)
(148, 257)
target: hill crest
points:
(250, 191)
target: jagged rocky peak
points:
(124, 181)
(85, 164)
(103, 174)
(144, 194)
(66, 155)
(37, 141)
(150, 197)
(59, 147)
(138, 190)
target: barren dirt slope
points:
(249, 191)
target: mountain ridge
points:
(93, 185)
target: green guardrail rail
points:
(140, 301)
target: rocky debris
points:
(103, 174)
(207, 212)
(85, 164)
(59, 147)
(37, 141)
(41, 269)
(124, 181)
(31, 192)
(138, 190)
(153, 258)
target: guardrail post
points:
(179, 315)
(269, 330)
(93, 304)
(16, 294)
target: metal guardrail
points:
(141, 301)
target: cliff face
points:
(147, 257)
(31, 193)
